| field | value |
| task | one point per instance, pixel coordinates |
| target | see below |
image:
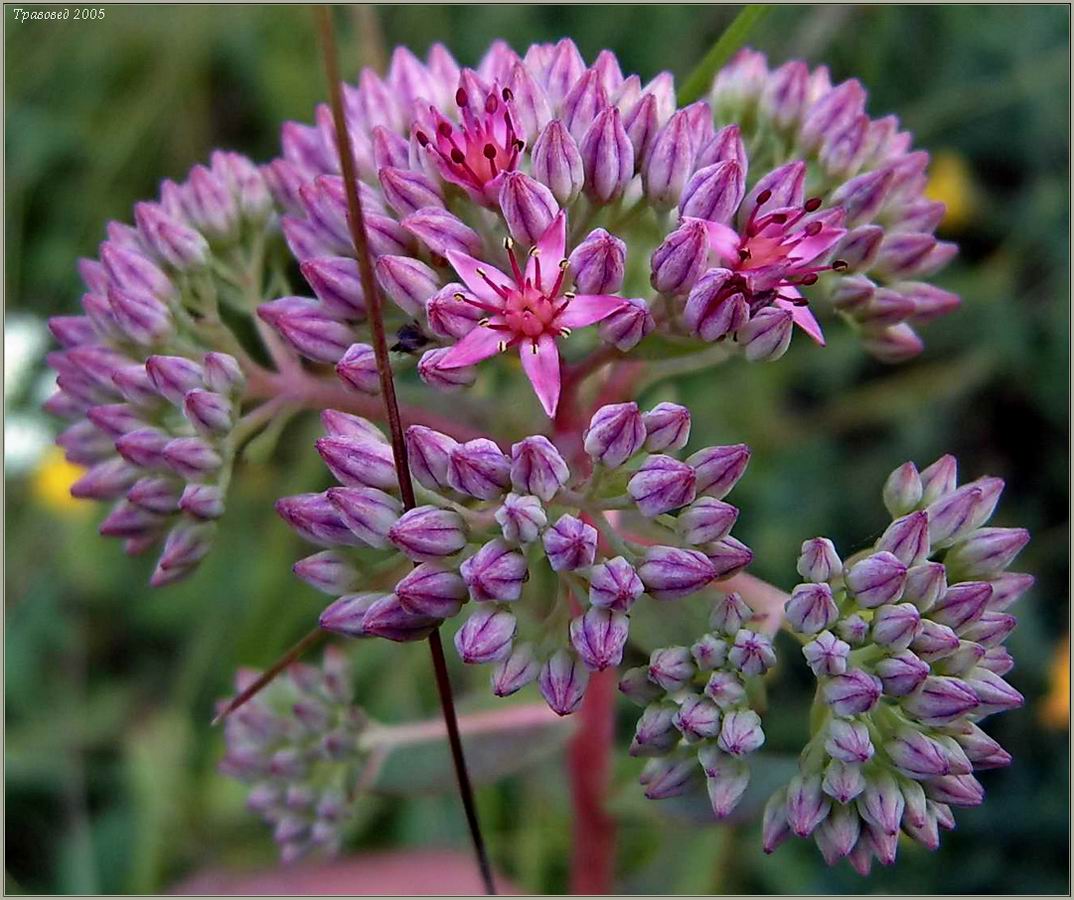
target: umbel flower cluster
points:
(519, 541)
(906, 642)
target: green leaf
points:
(732, 39)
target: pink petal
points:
(817, 245)
(724, 242)
(549, 248)
(540, 362)
(467, 268)
(479, 344)
(585, 309)
(802, 316)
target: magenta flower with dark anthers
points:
(529, 310)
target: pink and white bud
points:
(671, 667)
(896, 626)
(848, 741)
(818, 561)
(680, 259)
(407, 190)
(811, 608)
(328, 571)
(628, 325)
(955, 790)
(670, 573)
(876, 580)
(767, 335)
(935, 641)
(725, 689)
(992, 692)
(709, 652)
(607, 157)
(637, 688)
(903, 490)
(428, 533)
(961, 604)
(668, 777)
(495, 572)
(662, 483)
(729, 613)
(486, 635)
(740, 732)
(614, 585)
(136, 386)
(408, 282)
(337, 283)
(698, 718)
(705, 521)
(807, 804)
(852, 693)
(987, 552)
(570, 544)
(528, 206)
(726, 779)
(557, 163)
(925, 584)
(562, 682)
(990, 630)
(431, 590)
(359, 462)
(711, 312)
(752, 652)
(881, 803)
(615, 433)
(826, 654)
(599, 636)
(537, 467)
(176, 244)
(718, 469)
(667, 427)
(429, 454)
(357, 369)
(223, 374)
(521, 518)
(480, 469)
(441, 231)
(448, 316)
(843, 781)
(774, 827)
(515, 671)
(369, 513)
(916, 755)
(444, 378)
(185, 546)
(941, 700)
(597, 265)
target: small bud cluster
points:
(296, 745)
(152, 413)
(493, 521)
(698, 709)
(906, 642)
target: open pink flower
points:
(528, 310)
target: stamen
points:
(491, 103)
(422, 138)
(840, 265)
(565, 331)
(483, 275)
(509, 246)
(457, 156)
(812, 204)
(460, 98)
(563, 264)
(507, 94)
(502, 346)
(444, 129)
(533, 347)
(460, 296)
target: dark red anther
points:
(520, 145)
(422, 137)
(839, 265)
(764, 197)
(489, 151)
(508, 96)
(812, 204)
(444, 129)
(813, 228)
(743, 254)
(456, 156)
(777, 218)
(491, 103)
(809, 279)
(460, 98)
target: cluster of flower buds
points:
(496, 521)
(906, 642)
(152, 404)
(867, 167)
(296, 744)
(698, 716)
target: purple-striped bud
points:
(912, 255)
(359, 462)
(557, 163)
(307, 326)
(961, 604)
(862, 197)
(725, 146)
(661, 484)
(896, 626)
(930, 302)
(992, 692)
(515, 671)
(173, 376)
(1007, 588)
(486, 635)
(179, 246)
(495, 572)
(811, 608)
(767, 335)
(831, 113)
(528, 206)
(783, 100)
(998, 660)
(902, 673)
(848, 741)
(429, 454)
(387, 618)
(670, 573)
(447, 316)
(988, 551)
(894, 344)
(346, 425)
(981, 750)
(714, 193)
(711, 312)
(751, 653)
(615, 433)
(941, 700)
(431, 590)
(407, 190)
(427, 533)
(72, 331)
(131, 271)
(521, 518)
(939, 480)
(599, 636)
(614, 585)
(907, 539)
(718, 469)
(852, 693)
(441, 231)
(222, 374)
(202, 501)
(357, 369)
(636, 686)
(136, 387)
(955, 790)
(725, 689)
(729, 613)
(158, 495)
(726, 779)
(838, 833)
(336, 282)
(706, 520)
(671, 667)
(369, 513)
(935, 641)
(642, 123)
(697, 718)
(327, 571)
(315, 519)
(961, 661)
(917, 755)
(480, 469)
(85, 443)
(670, 161)
(607, 157)
(680, 259)
(144, 447)
(628, 324)
(882, 804)
(807, 805)
(740, 732)
(141, 316)
(185, 546)
(667, 427)
(191, 458)
(668, 777)
(958, 513)
(562, 682)
(784, 186)
(444, 378)
(858, 250)
(537, 467)
(818, 561)
(826, 655)
(876, 580)
(114, 419)
(843, 781)
(210, 204)
(407, 281)
(925, 584)
(709, 652)
(210, 413)
(990, 630)
(774, 827)
(531, 103)
(598, 263)
(570, 544)
(729, 555)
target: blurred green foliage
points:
(110, 761)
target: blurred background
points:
(110, 761)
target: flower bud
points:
(585, 99)
(680, 259)
(336, 282)
(848, 741)
(774, 827)
(992, 692)
(158, 495)
(431, 590)
(1007, 588)
(429, 454)
(901, 673)
(190, 458)
(852, 693)
(726, 779)
(740, 732)
(896, 626)
(917, 755)
(706, 520)
(537, 467)
(357, 369)
(209, 412)
(667, 427)
(729, 613)
(480, 469)
(570, 544)
(882, 804)
(752, 653)
(315, 519)
(711, 312)
(407, 281)
(223, 374)
(893, 344)
(956, 790)
(907, 539)
(136, 386)
(528, 206)
(669, 162)
(614, 585)
(668, 777)
(876, 580)
(718, 469)
(636, 686)
(185, 546)
(935, 641)
(818, 561)
(987, 552)
(495, 572)
(811, 608)
(106, 480)
(562, 682)
(714, 192)
(441, 231)
(671, 667)
(669, 573)
(826, 655)
(521, 518)
(998, 660)
(308, 327)
(961, 604)
(387, 618)
(615, 433)
(202, 501)
(607, 157)
(407, 190)
(925, 584)
(697, 718)
(725, 689)
(597, 265)
(173, 376)
(141, 317)
(427, 533)
(557, 163)
(599, 637)
(444, 378)
(131, 271)
(145, 447)
(661, 484)
(807, 805)
(843, 781)
(359, 462)
(990, 630)
(642, 123)
(486, 635)
(729, 556)
(767, 335)
(940, 700)
(838, 833)
(984, 752)
(709, 652)
(447, 316)
(515, 671)
(369, 513)
(626, 326)
(327, 571)
(181, 247)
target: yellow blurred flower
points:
(951, 183)
(1055, 713)
(51, 484)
